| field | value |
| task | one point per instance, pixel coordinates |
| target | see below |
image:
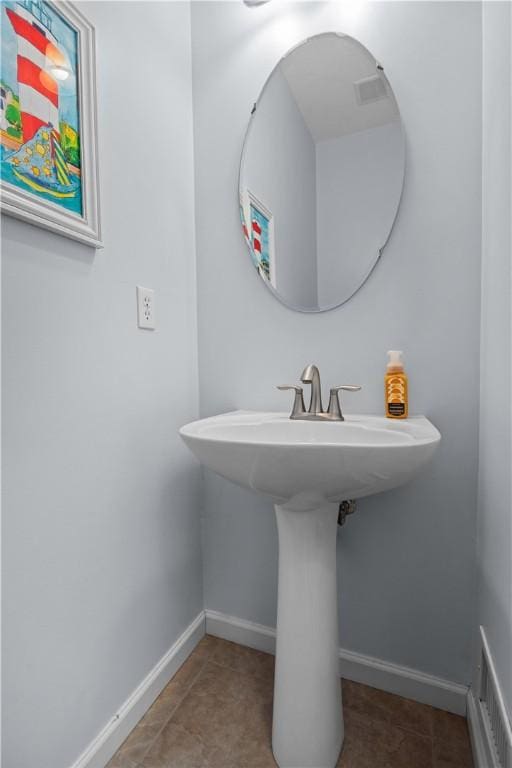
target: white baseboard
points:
(404, 681)
(108, 741)
(240, 631)
(384, 675)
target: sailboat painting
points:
(39, 108)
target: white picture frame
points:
(269, 216)
(24, 205)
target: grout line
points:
(178, 703)
(173, 710)
(234, 669)
(388, 723)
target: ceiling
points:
(321, 74)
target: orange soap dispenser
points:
(396, 394)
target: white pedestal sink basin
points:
(307, 468)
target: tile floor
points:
(217, 713)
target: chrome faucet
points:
(311, 375)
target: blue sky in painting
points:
(67, 38)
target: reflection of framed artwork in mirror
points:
(262, 239)
(259, 235)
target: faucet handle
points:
(299, 409)
(334, 409)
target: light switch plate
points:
(146, 308)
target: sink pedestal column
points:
(307, 729)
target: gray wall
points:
(102, 563)
(279, 169)
(354, 217)
(494, 509)
(406, 560)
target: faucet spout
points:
(311, 375)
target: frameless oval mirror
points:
(321, 173)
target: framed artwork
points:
(258, 227)
(262, 239)
(48, 132)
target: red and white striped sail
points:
(256, 236)
(38, 91)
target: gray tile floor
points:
(217, 713)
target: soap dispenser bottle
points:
(396, 387)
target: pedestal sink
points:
(307, 468)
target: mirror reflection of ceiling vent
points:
(370, 89)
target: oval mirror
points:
(321, 173)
